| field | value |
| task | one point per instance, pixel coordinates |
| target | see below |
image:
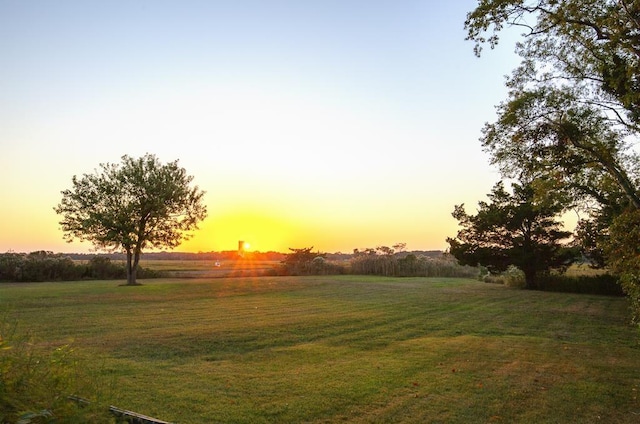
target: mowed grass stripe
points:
(356, 349)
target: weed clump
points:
(36, 382)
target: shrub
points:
(38, 266)
(512, 277)
(10, 266)
(599, 284)
(101, 267)
(47, 266)
(305, 262)
(604, 284)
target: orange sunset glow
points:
(307, 124)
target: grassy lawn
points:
(343, 349)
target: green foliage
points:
(588, 46)
(35, 383)
(38, 266)
(42, 266)
(518, 229)
(623, 251)
(137, 204)
(590, 236)
(10, 266)
(511, 277)
(100, 267)
(603, 284)
(573, 111)
(305, 262)
(49, 266)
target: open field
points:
(343, 349)
(209, 268)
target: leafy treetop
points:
(136, 204)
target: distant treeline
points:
(185, 256)
(233, 254)
(49, 266)
(381, 260)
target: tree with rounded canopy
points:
(513, 229)
(137, 204)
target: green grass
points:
(344, 349)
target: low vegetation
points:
(347, 348)
(383, 261)
(38, 380)
(49, 266)
(577, 279)
(410, 265)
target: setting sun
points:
(316, 127)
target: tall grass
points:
(410, 265)
(36, 382)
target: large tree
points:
(591, 46)
(573, 110)
(136, 204)
(517, 229)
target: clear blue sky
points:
(338, 124)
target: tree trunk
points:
(132, 267)
(130, 277)
(136, 261)
(614, 169)
(530, 280)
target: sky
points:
(337, 124)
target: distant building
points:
(241, 248)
